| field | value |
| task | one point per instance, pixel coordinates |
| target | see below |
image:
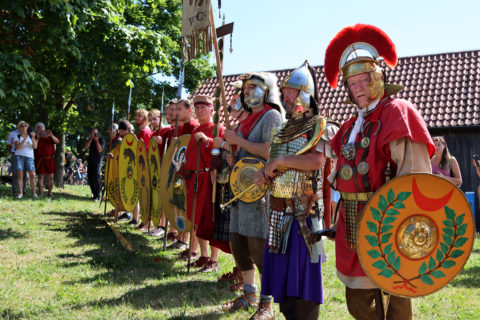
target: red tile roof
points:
(445, 88)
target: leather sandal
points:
(264, 312)
(245, 302)
(201, 262)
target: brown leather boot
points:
(264, 312)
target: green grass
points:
(59, 260)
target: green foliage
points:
(64, 62)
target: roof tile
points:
(445, 88)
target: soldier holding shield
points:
(385, 137)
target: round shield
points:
(173, 191)
(241, 177)
(117, 203)
(154, 165)
(415, 234)
(127, 172)
(143, 174)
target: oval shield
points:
(117, 203)
(110, 181)
(154, 166)
(143, 174)
(172, 184)
(241, 177)
(127, 172)
(415, 234)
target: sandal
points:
(264, 312)
(245, 301)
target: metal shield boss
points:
(415, 234)
(173, 191)
(242, 176)
(127, 172)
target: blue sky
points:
(280, 34)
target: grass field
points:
(59, 260)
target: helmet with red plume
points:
(355, 50)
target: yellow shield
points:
(172, 185)
(415, 234)
(154, 165)
(116, 184)
(127, 172)
(241, 177)
(143, 174)
(110, 181)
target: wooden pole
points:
(219, 71)
(195, 186)
(125, 244)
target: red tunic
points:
(166, 133)
(395, 119)
(45, 156)
(203, 211)
(145, 134)
(187, 128)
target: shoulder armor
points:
(330, 131)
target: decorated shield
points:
(415, 234)
(143, 174)
(242, 176)
(109, 181)
(127, 172)
(173, 189)
(117, 203)
(154, 165)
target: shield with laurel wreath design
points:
(415, 234)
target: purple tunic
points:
(291, 274)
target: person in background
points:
(184, 113)
(444, 164)
(96, 145)
(476, 164)
(164, 134)
(145, 133)
(114, 135)
(154, 119)
(68, 166)
(45, 157)
(25, 143)
(11, 147)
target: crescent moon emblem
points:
(129, 143)
(427, 203)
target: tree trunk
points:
(60, 161)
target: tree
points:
(64, 62)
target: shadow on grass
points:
(147, 263)
(9, 233)
(194, 293)
(90, 230)
(470, 278)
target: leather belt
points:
(199, 171)
(356, 196)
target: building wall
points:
(463, 143)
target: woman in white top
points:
(24, 145)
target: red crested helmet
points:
(356, 49)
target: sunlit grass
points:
(59, 260)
